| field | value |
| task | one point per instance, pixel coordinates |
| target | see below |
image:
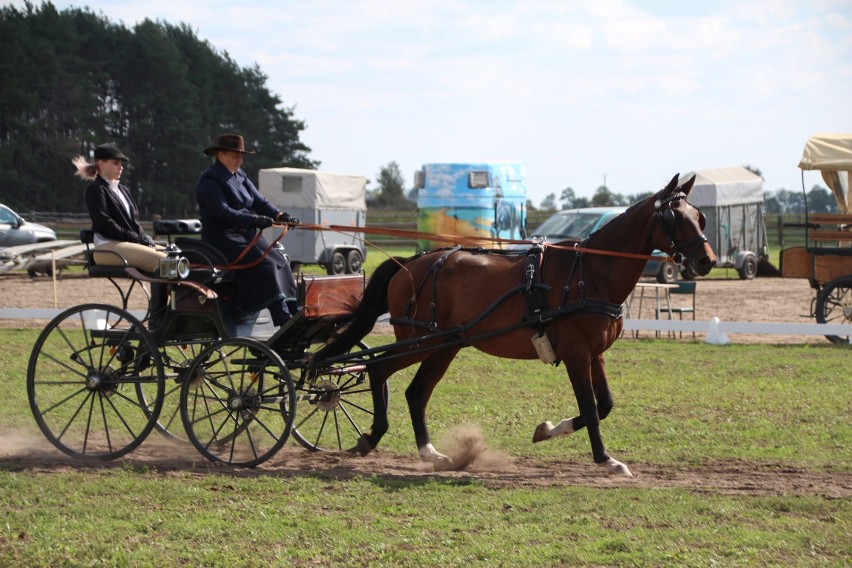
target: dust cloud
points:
(467, 450)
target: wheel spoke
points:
(241, 412)
(342, 402)
(71, 358)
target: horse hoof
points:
(362, 448)
(615, 467)
(443, 463)
(542, 432)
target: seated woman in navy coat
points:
(231, 211)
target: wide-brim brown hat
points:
(228, 143)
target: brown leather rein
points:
(470, 240)
(475, 240)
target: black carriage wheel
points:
(84, 379)
(335, 406)
(337, 264)
(354, 260)
(834, 305)
(176, 359)
(237, 402)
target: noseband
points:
(668, 220)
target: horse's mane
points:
(658, 204)
(618, 220)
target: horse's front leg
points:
(417, 395)
(588, 380)
(566, 426)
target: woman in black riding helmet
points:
(115, 217)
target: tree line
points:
(73, 80)
(819, 200)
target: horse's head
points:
(678, 228)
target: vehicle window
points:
(570, 225)
(6, 216)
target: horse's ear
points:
(687, 187)
(672, 184)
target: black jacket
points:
(109, 217)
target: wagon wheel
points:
(334, 405)
(834, 305)
(237, 402)
(176, 359)
(90, 373)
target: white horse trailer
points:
(319, 198)
(732, 201)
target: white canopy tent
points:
(831, 154)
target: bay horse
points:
(571, 295)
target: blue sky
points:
(583, 92)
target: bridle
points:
(668, 220)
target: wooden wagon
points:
(826, 258)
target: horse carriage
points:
(100, 379)
(826, 258)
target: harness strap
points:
(433, 271)
(576, 265)
(535, 289)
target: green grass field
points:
(679, 407)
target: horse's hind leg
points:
(417, 394)
(379, 375)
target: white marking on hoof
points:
(542, 432)
(615, 467)
(428, 453)
(547, 430)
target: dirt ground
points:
(28, 450)
(760, 300)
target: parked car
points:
(14, 230)
(580, 223)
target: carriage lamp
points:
(174, 266)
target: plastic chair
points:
(683, 288)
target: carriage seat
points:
(87, 237)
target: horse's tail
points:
(373, 304)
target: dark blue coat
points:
(227, 204)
